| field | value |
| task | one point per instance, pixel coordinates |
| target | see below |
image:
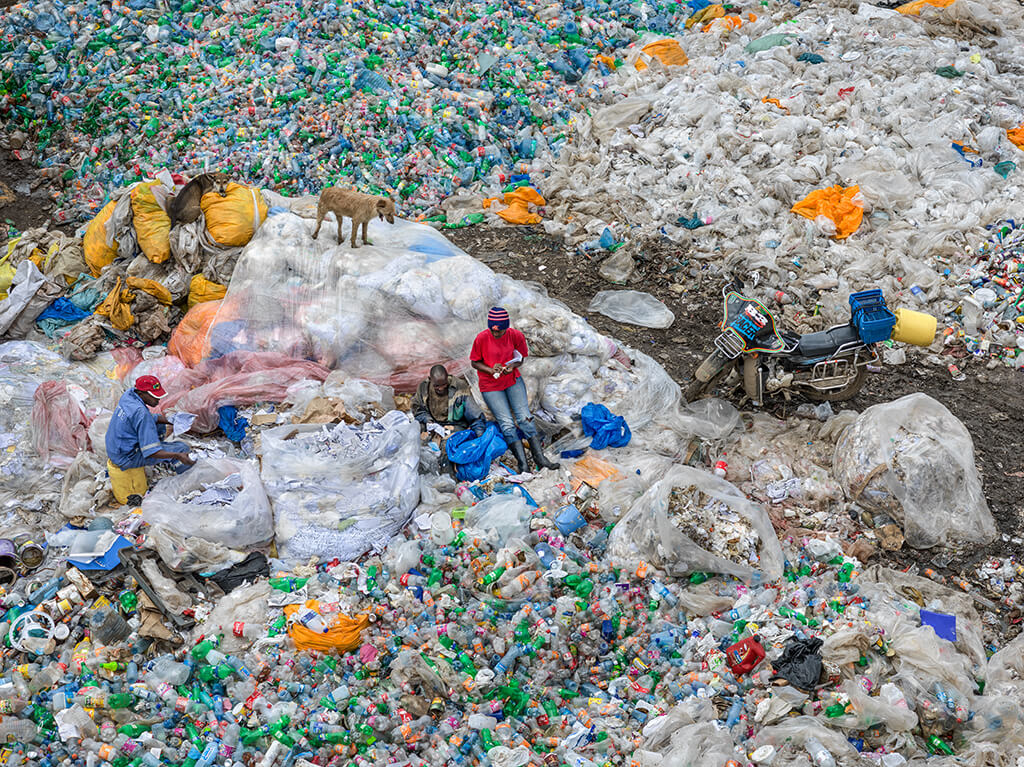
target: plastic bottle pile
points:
(406, 97)
(528, 647)
(988, 320)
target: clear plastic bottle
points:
(14, 730)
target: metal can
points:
(31, 554)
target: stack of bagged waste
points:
(132, 276)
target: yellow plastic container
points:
(125, 482)
(913, 327)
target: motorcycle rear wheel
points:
(840, 395)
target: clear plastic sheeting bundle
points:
(757, 120)
(914, 460)
(24, 367)
(220, 500)
(340, 491)
(389, 311)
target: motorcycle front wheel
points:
(840, 395)
(714, 368)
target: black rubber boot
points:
(520, 455)
(538, 454)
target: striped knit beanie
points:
(497, 318)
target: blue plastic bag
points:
(472, 455)
(231, 423)
(607, 429)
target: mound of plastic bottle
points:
(540, 650)
(406, 97)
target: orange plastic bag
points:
(94, 243)
(726, 24)
(519, 201)
(344, 634)
(152, 224)
(842, 206)
(1016, 136)
(593, 471)
(190, 341)
(668, 52)
(914, 8)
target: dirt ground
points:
(989, 402)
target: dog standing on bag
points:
(184, 208)
(357, 206)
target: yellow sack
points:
(201, 290)
(152, 224)
(841, 205)
(125, 482)
(117, 307)
(914, 8)
(7, 270)
(94, 243)
(344, 635)
(668, 52)
(233, 219)
(707, 13)
(154, 288)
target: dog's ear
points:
(382, 203)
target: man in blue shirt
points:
(133, 437)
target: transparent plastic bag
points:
(24, 365)
(184, 553)
(648, 533)
(633, 307)
(914, 460)
(502, 516)
(340, 491)
(59, 426)
(238, 378)
(240, 518)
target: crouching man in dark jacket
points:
(442, 407)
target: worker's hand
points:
(185, 459)
(161, 418)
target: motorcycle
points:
(828, 366)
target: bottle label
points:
(238, 628)
(181, 704)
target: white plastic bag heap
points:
(737, 136)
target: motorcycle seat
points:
(824, 343)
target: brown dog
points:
(184, 208)
(356, 205)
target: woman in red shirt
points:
(496, 355)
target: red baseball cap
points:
(151, 384)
